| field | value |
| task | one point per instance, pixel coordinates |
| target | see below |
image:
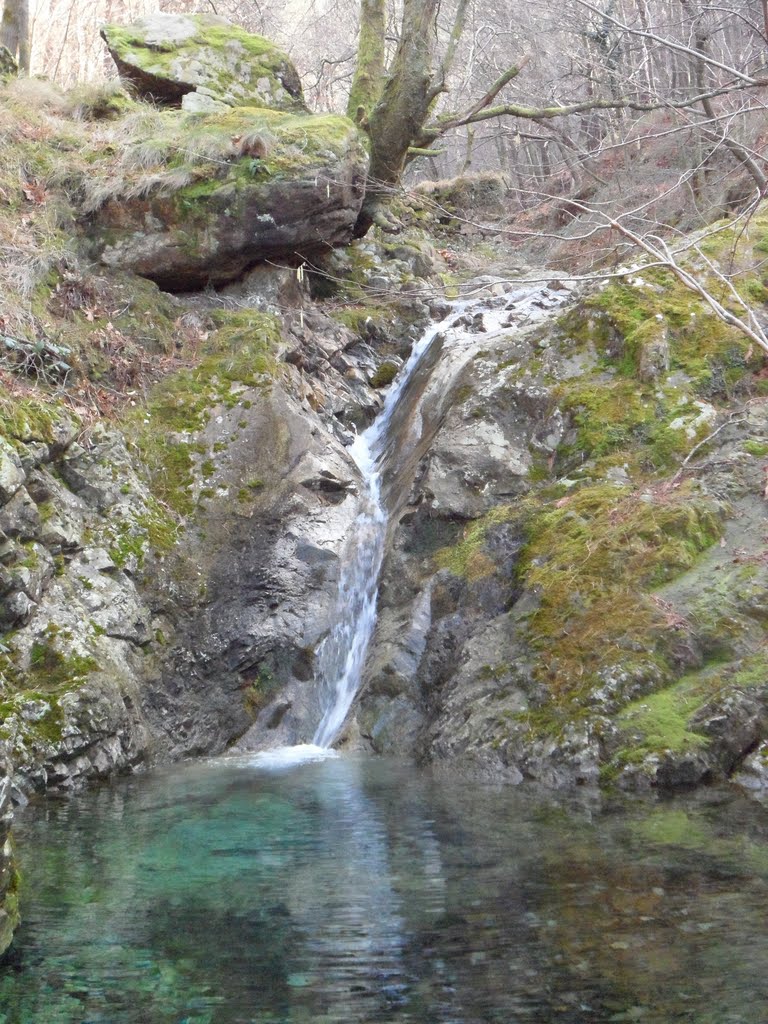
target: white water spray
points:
(341, 656)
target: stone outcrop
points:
(297, 199)
(202, 61)
(243, 175)
(497, 649)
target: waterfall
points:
(341, 656)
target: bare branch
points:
(672, 44)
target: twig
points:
(733, 418)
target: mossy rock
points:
(272, 186)
(165, 57)
(384, 375)
(467, 195)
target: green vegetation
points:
(467, 558)
(241, 353)
(659, 723)
(384, 375)
(593, 559)
(757, 448)
(52, 670)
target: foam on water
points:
(289, 757)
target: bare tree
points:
(631, 57)
(14, 32)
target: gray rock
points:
(654, 356)
(12, 475)
(300, 200)
(166, 57)
(20, 517)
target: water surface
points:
(353, 890)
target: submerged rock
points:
(169, 57)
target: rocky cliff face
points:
(573, 590)
(165, 578)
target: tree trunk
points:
(399, 115)
(14, 31)
(726, 135)
(369, 70)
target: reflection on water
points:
(347, 890)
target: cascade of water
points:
(341, 656)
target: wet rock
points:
(753, 772)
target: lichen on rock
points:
(171, 58)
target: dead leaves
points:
(34, 193)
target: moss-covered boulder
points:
(169, 57)
(228, 190)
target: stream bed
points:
(350, 889)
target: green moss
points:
(384, 375)
(32, 419)
(258, 690)
(240, 353)
(52, 670)
(622, 317)
(127, 544)
(608, 415)
(757, 448)
(467, 558)
(592, 558)
(659, 721)
(9, 902)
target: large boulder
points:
(286, 187)
(195, 60)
